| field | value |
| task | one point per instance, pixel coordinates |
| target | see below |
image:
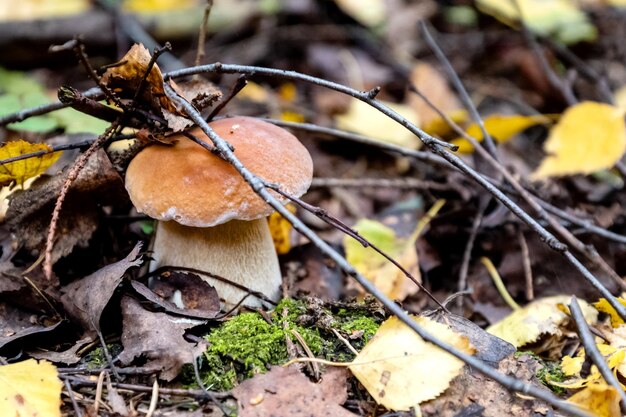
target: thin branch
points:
(72, 174)
(467, 253)
(528, 271)
(458, 86)
(591, 349)
(259, 188)
(355, 137)
(401, 183)
(70, 393)
(237, 87)
(202, 32)
(335, 222)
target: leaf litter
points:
(163, 320)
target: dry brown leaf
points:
(286, 392)
(86, 298)
(158, 337)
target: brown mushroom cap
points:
(190, 185)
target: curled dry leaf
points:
(86, 298)
(401, 370)
(158, 337)
(542, 316)
(30, 388)
(126, 78)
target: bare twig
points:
(202, 32)
(554, 80)
(70, 393)
(335, 222)
(467, 253)
(72, 174)
(237, 87)
(458, 86)
(210, 395)
(591, 349)
(194, 393)
(260, 189)
(309, 353)
(528, 271)
(401, 183)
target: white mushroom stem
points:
(241, 251)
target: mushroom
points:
(209, 218)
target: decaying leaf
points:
(182, 293)
(366, 120)
(558, 18)
(28, 216)
(588, 138)
(386, 276)
(542, 316)
(474, 394)
(281, 230)
(29, 389)
(489, 348)
(158, 337)
(287, 392)
(600, 399)
(85, 299)
(126, 78)
(19, 171)
(401, 370)
(501, 128)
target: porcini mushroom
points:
(209, 217)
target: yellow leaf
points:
(434, 87)
(400, 370)
(281, 230)
(604, 306)
(364, 119)
(572, 366)
(254, 92)
(41, 9)
(19, 171)
(386, 276)
(601, 399)
(291, 116)
(370, 13)
(139, 6)
(589, 137)
(559, 18)
(501, 128)
(439, 127)
(29, 389)
(540, 317)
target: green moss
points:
(247, 344)
(549, 371)
(95, 359)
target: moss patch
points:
(247, 344)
